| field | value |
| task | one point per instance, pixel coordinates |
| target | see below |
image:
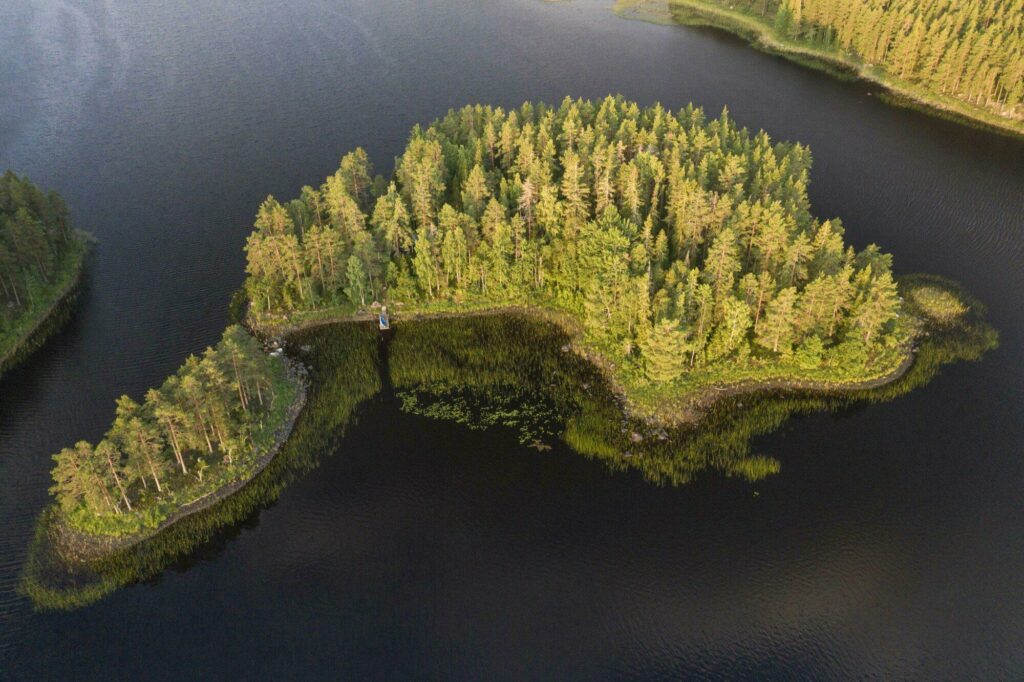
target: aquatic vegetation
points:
(509, 371)
(519, 372)
(940, 305)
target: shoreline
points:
(699, 401)
(760, 36)
(50, 322)
(707, 398)
(78, 546)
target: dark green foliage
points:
(34, 236)
(40, 264)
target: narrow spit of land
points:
(200, 437)
(770, 34)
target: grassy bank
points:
(50, 308)
(762, 35)
(690, 398)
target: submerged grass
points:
(517, 371)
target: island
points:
(41, 264)
(962, 61)
(650, 287)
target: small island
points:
(961, 61)
(41, 264)
(680, 252)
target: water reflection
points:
(517, 372)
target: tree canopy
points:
(197, 431)
(971, 50)
(679, 242)
(35, 238)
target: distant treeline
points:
(972, 50)
(191, 435)
(679, 242)
(35, 239)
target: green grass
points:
(762, 35)
(50, 307)
(685, 400)
(940, 305)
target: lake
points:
(890, 543)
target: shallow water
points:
(890, 544)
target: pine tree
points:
(875, 307)
(358, 284)
(664, 352)
(776, 332)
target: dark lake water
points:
(891, 544)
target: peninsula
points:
(206, 432)
(41, 264)
(963, 61)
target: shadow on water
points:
(504, 371)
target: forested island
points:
(41, 262)
(962, 59)
(201, 435)
(606, 256)
(682, 250)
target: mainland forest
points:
(971, 52)
(684, 248)
(207, 425)
(40, 261)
